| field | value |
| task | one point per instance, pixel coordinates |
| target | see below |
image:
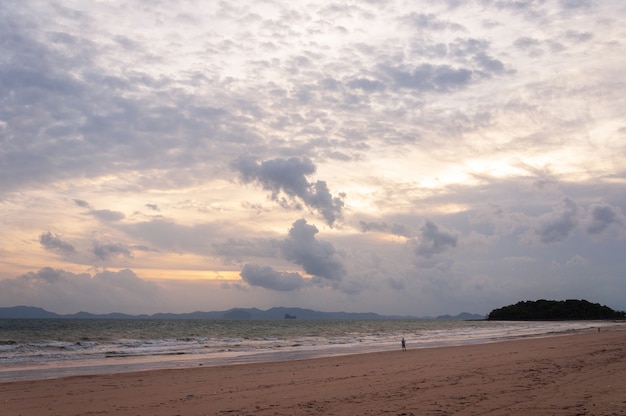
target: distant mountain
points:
(26, 312)
(29, 312)
(463, 316)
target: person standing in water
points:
(403, 342)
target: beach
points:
(573, 374)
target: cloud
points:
(488, 63)
(501, 220)
(53, 242)
(318, 258)
(289, 177)
(430, 78)
(433, 241)
(237, 249)
(372, 116)
(168, 235)
(271, 279)
(577, 261)
(601, 217)
(576, 4)
(81, 203)
(366, 85)
(526, 42)
(578, 37)
(107, 215)
(556, 226)
(107, 251)
(77, 115)
(286, 175)
(422, 21)
(394, 228)
(66, 292)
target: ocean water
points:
(50, 348)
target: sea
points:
(33, 349)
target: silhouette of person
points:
(403, 344)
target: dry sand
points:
(579, 374)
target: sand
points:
(577, 374)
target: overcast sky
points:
(399, 157)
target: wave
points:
(160, 344)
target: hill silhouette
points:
(29, 312)
(547, 310)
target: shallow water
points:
(50, 348)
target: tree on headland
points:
(548, 310)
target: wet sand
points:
(578, 374)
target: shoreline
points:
(127, 364)
(569, 374)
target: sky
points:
(400, 157)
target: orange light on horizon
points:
(182, 274)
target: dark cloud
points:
(601, 217)
(76, 116)
(46, 274)
(535, 11)
(289, 177)
(141, 247)
(318, 258)
(329, 84)
(366, 85)
(153, 207)
(271, 279)
(428, 77)
(238, 249)
(330, 207)
(422, 21)
(53, 242)
(576, 4)
(107, 215)
(396, 284)
(394, 228)
(526, 42)
(81, 203)
(433, 241)
(556, 226)
(489, 64)
(470, 61)
(463, 48)
(578, 37)
(107, 251)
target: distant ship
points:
(287, 316)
